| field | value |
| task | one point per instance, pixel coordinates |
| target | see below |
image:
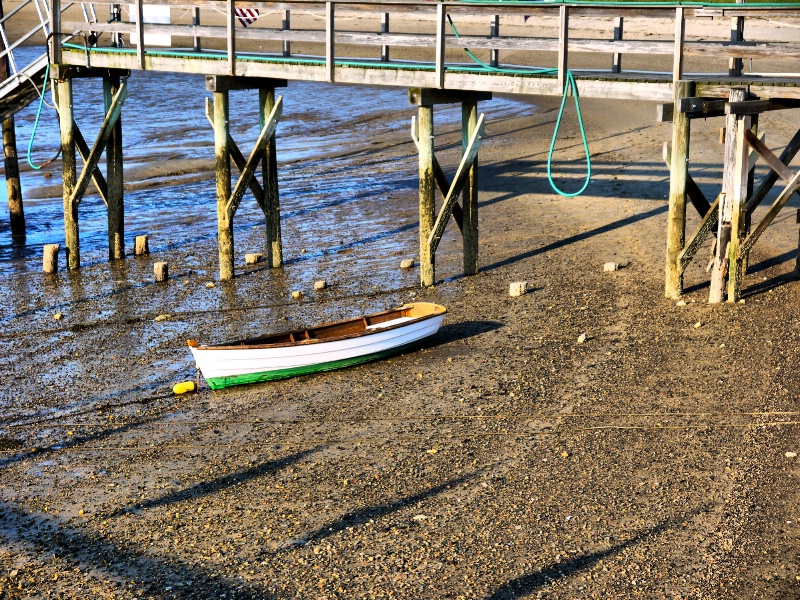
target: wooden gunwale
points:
(304, 337)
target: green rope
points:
(38, 114)
(570, 85)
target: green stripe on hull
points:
(217, 383)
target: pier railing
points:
(320, 40)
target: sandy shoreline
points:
(502, 460)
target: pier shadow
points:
(577, 238)
(461, 331)
(369, 513)
(102, 558)
(207, 488)
(73, 442)
(529, 583)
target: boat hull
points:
(229, 365)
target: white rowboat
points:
(321, 348)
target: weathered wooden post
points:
(50, 258)
(223, 168)
(68, 171)
(427, 206)
(385, 29)
(114, 179)
(15, 209)
(469, 229)
(616, 58)
(725, 245)
(141, 245)
(269, 169)
(740, 172)
(678, 176)
(494, 31)
(736, 65)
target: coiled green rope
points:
(38, 114)
(570, 85)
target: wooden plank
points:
(430, 97)
(665, 112)
(739, 182)
(773, 161)
(140, 32)
(616, 58)
(221, 83)
(255, 157)
(440, 45)
(680, 34)
(703, 106)
(707, 226)
(231, 31)
(66, 120)
(105, 132)
(678, 175)
(457, 185)
(754, 107)
(729, 193)
(221, 118)
(16, 211)
(427, 201)
(115, 191)
(271, 204)
(330, 39)
(563, 45)
(469, 228)
(788, 154)
(773, 211)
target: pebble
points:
(519, 288)
(408, 263)
(162, 317)
(297, 294)
(320, 285)
(581, 338)
(211, 284)
(610, 266)
(58, 316)
(697, 325)
(791, 455)
(680, 303)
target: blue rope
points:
(38, 113)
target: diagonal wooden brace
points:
(238, 157)
(775, 163)
(100, 144)
(707, 226)
(780, 202)
(470, 153)
(97, 176)
(441, 179)
(789, 152)
(255, 157)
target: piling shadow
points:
(528, 584)
(206, 488)
(368, 513)
(101, 558)
(577, 238)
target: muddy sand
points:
(501, 460)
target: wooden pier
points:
(424, 51)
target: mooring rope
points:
(570, 85)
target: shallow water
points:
(164, 122)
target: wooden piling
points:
(616, 58)
(50, 258)
(161, 272)
(739, 185)
(726, 205)
(269, 168)
(469, 230)
(114, 179)
(68, 172)
(678, 176)
(15, 209)
(427, 187)
(223, 169)
(141, 245)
